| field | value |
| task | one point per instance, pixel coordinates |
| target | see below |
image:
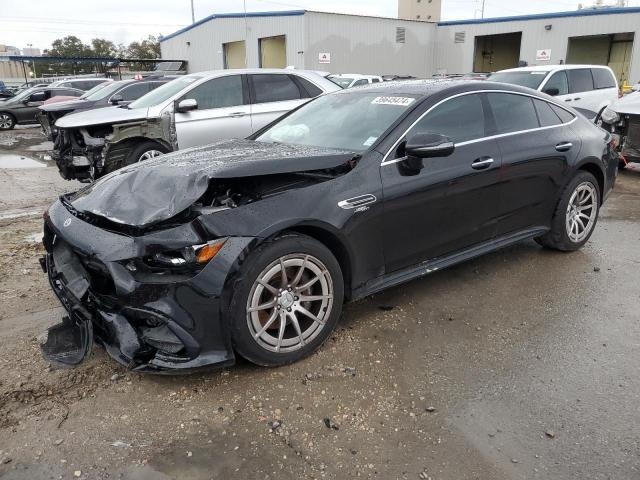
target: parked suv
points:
(592, 87)
(189, 111)
(23, 107)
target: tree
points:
(103, 48)
(148, 48)
(70, 46)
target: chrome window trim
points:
(481, 139)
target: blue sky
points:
(39, 22)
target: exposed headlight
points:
(609, 116)
(197, 255)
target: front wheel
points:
(145, 151)
(7, 121)
(287, 301)
(576, 215)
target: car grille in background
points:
(632, 144)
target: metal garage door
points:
(497, 52)
(273, 52)
(235, 55)
(612, 50)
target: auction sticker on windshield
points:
(401, 101)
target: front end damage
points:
(90, 152)
(148, 316)
(622, 120)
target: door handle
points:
(237, 114)
(568, 100)
(564, 146)
(482, 163)
(578, 98)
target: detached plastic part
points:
(67, 343)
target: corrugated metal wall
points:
(458, 57)
(368, 45)
(205, 51)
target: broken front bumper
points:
(147, 324)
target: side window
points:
(546, 115)
(512, 113)
(274, 88)
(135, 91)
(563, 114)
(312, 90)
(362, 81)
(580, 80)
(461, 119)
(375, 80)
(559, 82)
(218, 93)
(603, 78)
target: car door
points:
(581, 89)
(557, 85)
(222, 112)
(450, 204)
(606, 88)
(26, 110)
(273, 95)
(536, 148)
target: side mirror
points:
(116, 99)
(187, 105)
(428, 145)
(551, 91)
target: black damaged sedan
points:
(251, 247)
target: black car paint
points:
(25, 111)
(408, 230)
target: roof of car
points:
(426, 88)
(215, 73)
(549, 68)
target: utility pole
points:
(481, 13)
(193, 15)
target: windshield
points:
(22, 94)
(531, 79)
(92, 94)
(163, 93)
(343, 82)
(351, 121)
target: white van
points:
(592, 87)
(350, 80)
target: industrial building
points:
(373, 45)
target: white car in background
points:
(349, 80)
(592, 87)
(190, 111)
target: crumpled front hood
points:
(160, 188)
(101, 116)
(629, 104)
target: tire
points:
(565, 235)
(148, 148)
(258, 335)
(7, 121)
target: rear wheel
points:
(576, 215)
(7, 121)
(288, 300)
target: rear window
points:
(563, 114)
(512, 113)
(274, 88)
(603, 78)
(310, 88)
(580, 80)
(546, 115)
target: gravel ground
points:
(522, 364)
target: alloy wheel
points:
(6, 121)
(289, 303)
(582, 211)
(150, 154)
